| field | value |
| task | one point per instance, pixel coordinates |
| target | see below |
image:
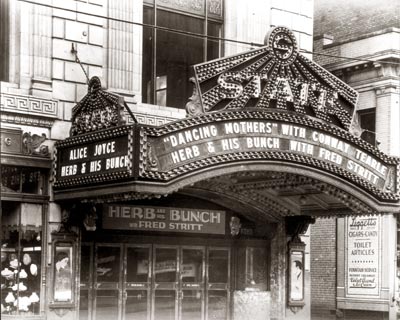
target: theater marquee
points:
(227, 137)
(270, 107)
(95, 157)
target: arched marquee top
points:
(274, 77)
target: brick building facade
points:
(368, 31)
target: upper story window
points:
(367, 123)
(168, 55)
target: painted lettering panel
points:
(363, 263)
(164, 219)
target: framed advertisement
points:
(64, 255)
(63, 273)
(296, 274)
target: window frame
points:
(368, 134)
(150, 85)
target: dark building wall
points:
(323, 269)
(344, 19)
(363, 315)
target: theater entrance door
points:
(160, 282)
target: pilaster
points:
(278, 273)
(26, 45)
(124, 47)
(387, 118)
(42, 50)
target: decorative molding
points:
(97, 110)
(297, 226)
(29, 105)
(254, 192)
(193, 107)
(32, 144)
(26, 120)
(149, 119)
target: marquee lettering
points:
(231, 86)
(107, 156)
(198, 143)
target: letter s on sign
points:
(231, 89)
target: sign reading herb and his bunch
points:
(94, 158)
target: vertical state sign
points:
(363, 263)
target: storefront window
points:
(22, 179)
(21, 253)
(252, 268)
(168, 56)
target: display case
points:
(64, 265)
(21, 258)
(296, 274)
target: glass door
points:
(107, 282)
(86, 282)
(137, 282)
(165, 283)
(154, 282)
(191, 283)
(218, 278)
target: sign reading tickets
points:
(145, 218)
(363, 265)
(248, 137)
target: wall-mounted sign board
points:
(95, 157)
(163, 219)
(363, 266)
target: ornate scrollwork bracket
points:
(297, 225)
(32, 144)
(193, 106)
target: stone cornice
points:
(360, 37)
(26, 119)
(28, 110)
